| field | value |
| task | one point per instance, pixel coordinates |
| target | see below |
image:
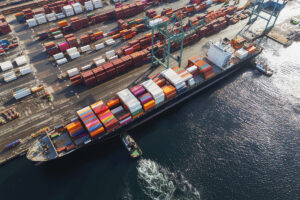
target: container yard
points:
(84, 53)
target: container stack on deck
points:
(156, 92)
(118, 111)
(130, 103)
(77, 132)
(106, 116)
(205, 70)
(91, 122)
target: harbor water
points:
(237, 140)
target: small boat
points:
(263, 68)
(131, 146)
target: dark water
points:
(238, 140)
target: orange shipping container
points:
(150, 104)
(139, 20)
(113, 103)
(62, 23)
(168, 89)
(53, 29)
(98, 33)
(116, 36)
(97, 132)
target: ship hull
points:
(167, 105)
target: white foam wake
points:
(159, 183)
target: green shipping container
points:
(137, 112)
(56, 32)
(132, 22)
(54, 135)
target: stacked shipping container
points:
(91, 122)
(106, 116)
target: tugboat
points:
(263, 68)
(131, 146)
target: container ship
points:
(134, 106)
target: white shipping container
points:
(6, 65)
(21, 93)
(51, 17)
(99, 62)
(58, 56)
(68, 10)
(41, 20)
(192, 69)
(110, 42)
(74, 55)
(25, 70)
(31, 22)
(58, 36)
(10, 78)
(72, 50)
(72, 72)
(99, 46)
(7, 74)
(21, 60)
(113, 58)
(61, 61)
(60, 15)
(77, 8)
(85, 48)
(86, 67)
(97, 3)
(88, 5)
(110, 54)
(241, 53)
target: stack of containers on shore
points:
(118, 111)
(100, 74)
(97, 4)
(129, 10)
(89, 78)
(84, 39)
(4, 28)
(40, 18)
(72, 41)
(175, 80)
(106, 116)
(90, 121)
(77, 132)
(68, 10)
(110, 70)
(77, 8)
(205, 69)
(20, 17)
(156, 92)
(51, 17)
(51, 48)
(28, 13)
(144, 97)
(120, 65)
(151, 13)
(76, 80)
(63, 46)
(187, 77)
(130, 103)
(88, 5)
(72, 52)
